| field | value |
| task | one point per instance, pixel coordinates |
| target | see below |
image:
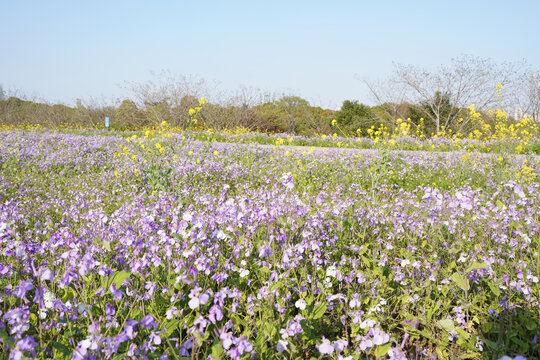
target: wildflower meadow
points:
(165, 244)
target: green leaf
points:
(520, 343)
(476, 266)
(217, 350)
(118, 278)
(260, 342)
(446, 324)
(171, 325)
(269, 329)
(319, 311)
(494, 288)
(530, 324)
(62, 348)
(381, 350)
(470, 356)
(461, 281)
(5, 337)
(241, 240)
(462, 333)
(366, 261)
(425, 333)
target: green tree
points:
(293, 110)
(353, 116)
(288, 114)
(128, 115)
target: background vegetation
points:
(431, 103)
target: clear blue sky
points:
(63, 50)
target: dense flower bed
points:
(160, 246)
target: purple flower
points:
(155, 338)
(325, 347)
(79, 353)
(265, 251)
(27, 343)
(117, 293)
(340, 345)
(133, 350)
(215, 314)
(380, 337)
(197, 298)
(109, 309)
(226, 339)
(23, 288)
(148, 322)
(282, 345)
(47, 274)
(365, 344)
(130, 328)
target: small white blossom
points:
(300, 304)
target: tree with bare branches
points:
(445, 92)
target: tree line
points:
(430, 101)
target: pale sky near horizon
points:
(59, 51)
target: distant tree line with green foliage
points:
(288, 114)
(428, 101)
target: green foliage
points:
(353, 116)
(287, 114)
(128, 116)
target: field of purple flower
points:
(161, 246)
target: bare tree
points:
(445, 92)
(530, 86)
(168, 97)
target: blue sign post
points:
(107, 122)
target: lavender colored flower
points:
(118, 294)
(148, 322)
(282, 345)
(23, 288)
(325, 348)
(197, 298)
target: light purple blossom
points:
(325, 348)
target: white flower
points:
(300, 304)
(81, 308)
(368, 323)
(340, 345)
(42, 314)
(187, 216)
(354, 303)
(244, 273)
(89, 343)
(331, 271)
(282, 345)
(326, 347)
(48, 299)
(405, 262)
